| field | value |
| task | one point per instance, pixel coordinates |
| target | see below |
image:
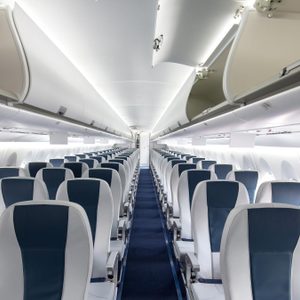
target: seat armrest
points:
(112, 266)
(122, 230)
(192, 267)
(176, 229)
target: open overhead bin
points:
(56, 85)
(188, 31)
(265, 56)
(14, 74)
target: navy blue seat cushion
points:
(273, 236)
(207, 163)
(17, 190)
(197, 159)
(89, 162)
(41, 232)
(222, 170)
(75, 167)
(85, 192)
(71, 158)
(9, 172)
(195, 177)
(221, 199)
(184, 167)
(286, 192)
(56, 162)
(177, 161)
(34, 167)
(114, 166)
(103, 174)
(53, 178)
(249, 179)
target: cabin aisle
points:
(148, 273)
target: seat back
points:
(18, 189)
(174, 179)
(78, 168)
(205, 164)
(91, 162)
(33, 167)
(71, 158)
(53, 177)
(45, 249)
(167, 175)
(99, 158)
(211, 205)
(186, 186)
(248, 178)
(113, 179)
(287, 192)
(80, 156)
(121, 170)
(56, 162)
(11, 172)
(260, 253)
(221, 170)
(195, 160)
(94, 195)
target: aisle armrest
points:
(112, 266)
(176, 229)
(192, 267)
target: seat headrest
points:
(248, 177)
(221, 169)
(11, 172)
(279, 192)
(56, 162)
(34, 167)
(114, 166)
(260, 252)
(205, 164)
(18, 189)
(105, 174)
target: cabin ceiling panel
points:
(192, 29)
(110, 44)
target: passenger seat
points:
(33, 167)
(45, 251)
(95, 197)
(260, 253)
(11, 172)
(212, 203)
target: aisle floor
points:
(148, 273)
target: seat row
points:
(200, 207)
(96, 199)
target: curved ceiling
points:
(110, 43)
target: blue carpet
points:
(148, 273)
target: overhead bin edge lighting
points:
(61, 48)
(64, 122)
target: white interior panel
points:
(110, 44)
(192, 29)
(56, 82)
(175, 114)
(14, 76)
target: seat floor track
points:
(149, 272)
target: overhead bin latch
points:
(267, 7)
(157, 43)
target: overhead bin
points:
(14, 75)
(56, 85)
(264, 58)
(188, 31)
